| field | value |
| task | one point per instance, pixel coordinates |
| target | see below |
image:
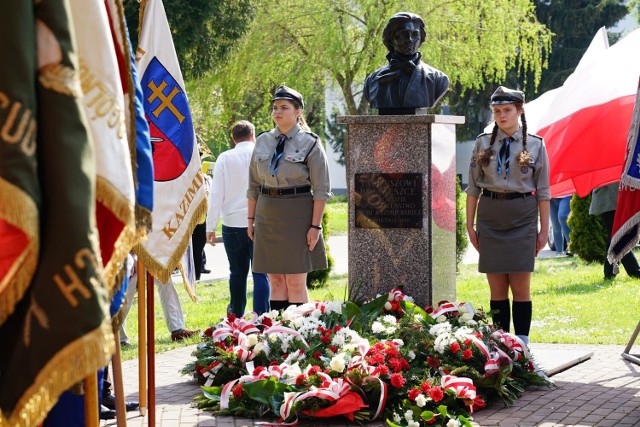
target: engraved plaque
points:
(388, 200)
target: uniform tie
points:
(503, 157)
(277, 153)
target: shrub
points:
(461, 228)
(588, 235)
(319, 278)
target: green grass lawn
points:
(571, 301)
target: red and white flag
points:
(585, 127)
(626, 225)
(104, 108)
(180, 200)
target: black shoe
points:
(609, 277)
(106, 413)
(110, 403)
(180, 334)
(204, 270)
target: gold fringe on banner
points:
(122, 209)
(187, 287)
(163, 272)
(19, 210)
(77, 360)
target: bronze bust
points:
(406, 83)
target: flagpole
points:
(91, 400)
(118, 387)
(142, 338)
(151, 351)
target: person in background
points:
(560, 210)
(603, 203)
(228, 200)
(508, 192)
(288, 188)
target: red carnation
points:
(466, 355)
(397, 380)
(266, 321)
(316, 355)
(259, 369)
(383, 370)
(426, 387)
(237, 391)
(454, 347)
(301, 380)
(231, 317)
(333, 348)
(433, 362)
(414, 393)
(478, 403)
(314, 370)
(436, 394)
(209, 331)
(326, 338)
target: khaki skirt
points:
(507, 234)
(280, 236)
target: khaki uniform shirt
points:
(303, 162)
(521, 179)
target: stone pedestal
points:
(402, 218)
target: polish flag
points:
(585, 127)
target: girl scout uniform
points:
(507, 214)
(285, 201)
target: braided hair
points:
(523, 158)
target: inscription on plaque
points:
(388, 200)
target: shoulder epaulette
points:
(264, 131)
(312, 134)
(483, 134)
(535, 135)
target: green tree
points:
(573, 23)
(305, 44)
(204, 31)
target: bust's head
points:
(404, 34)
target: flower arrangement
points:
(385, 359)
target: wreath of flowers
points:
(385, 359)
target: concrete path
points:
(602, 391)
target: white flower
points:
(453, 423)
(408, 415)
(292, 371)
(252, 340)
(408, 298)
(338, 339)
(441, 319)
(411, 355)
(396, 417)
(389, 330)
(387, 306)
(377, 327)
(390, 319)
(414, 424)
(259, 348)
(316, 313)
(421, 400)
(337, 363)
(273, 337)
(441, 328)
(466, 317)
(399, 342)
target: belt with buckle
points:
(504, 196)
(275, 192)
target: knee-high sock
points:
(502, 319)
(522, 317)
(278, 304)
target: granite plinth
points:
(389, 152)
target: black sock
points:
(278, 304)
(295, 303)
(522, 317)
(502, 319)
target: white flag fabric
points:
(104, 107)
(179, 201)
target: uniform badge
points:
(524, 169)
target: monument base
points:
(402, 205)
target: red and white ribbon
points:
(277, 329)
(447, 307)
(463, 387)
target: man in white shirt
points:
(228, 200)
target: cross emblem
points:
(157, 92)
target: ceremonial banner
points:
(179, 196)
(137, 127)
(104, 106)
(585, 127)
(19, 191)
(59, 331)
(626, 225)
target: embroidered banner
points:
(179, 194)
(59, 332)
(626, 225)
